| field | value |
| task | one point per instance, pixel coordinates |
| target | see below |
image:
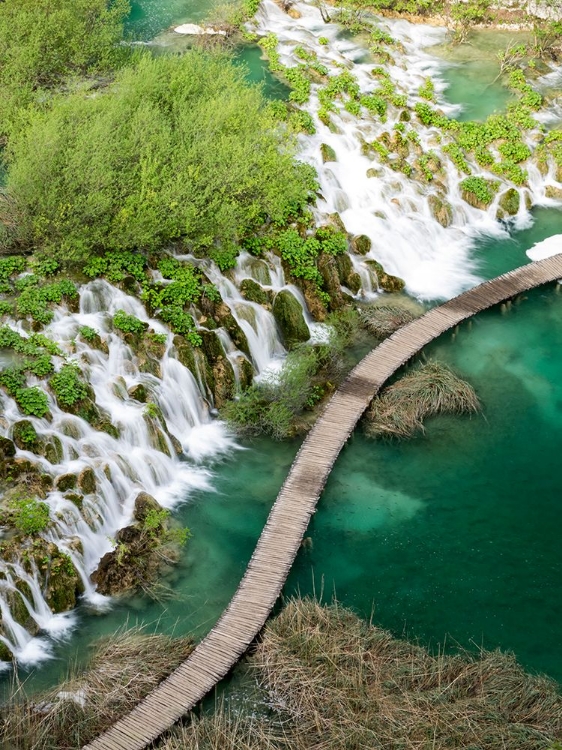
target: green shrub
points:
(11, 266)
(128, 323)
(116, 265)
(480, 188)
(87, 333)
(29, 515)
(68, 386)
(323, 40)
(32, 401)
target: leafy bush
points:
(179, 148)
(128, 323)
(479, 187)
(11, 266)
(116, 265)
(68, 386)
(87, 333)
(29, 515)
(32, 401)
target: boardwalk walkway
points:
(282, 535)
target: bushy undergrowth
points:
(430, 389)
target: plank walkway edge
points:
(288, 520)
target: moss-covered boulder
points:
(347, 274)
(290, 319)
(245, 372)
(253, 292)
(7, 448)
(138, 392)
(386, 281)
(509, 203)
(260, 272)
(144, 504)
(361, 244)
(478, 192)
(374, 172)
(552, 191)
(53, 450)
(25, 436)
(87, 481)
(327, 153)
(335, 221)
(441, 210)
(66, 482)
(329, 272)
(315, 305)
(226, 319)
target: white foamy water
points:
(391, 209)
(546, 249)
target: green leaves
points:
(68, 386)
(128, 323)
(29, 515)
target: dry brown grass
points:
(334, 682)
(123, 669)
(389, 313)
(429, 389)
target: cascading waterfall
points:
(122, 466)
(391, 209)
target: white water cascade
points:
(123, 466)
(392, 210)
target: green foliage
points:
(42, 42)
(528, 96)
(68, 386)
(375, 104)
(331, 240)
(353, 107)
(225, 257)
(87, 333)
(323, 40)
(514, 151)
(430, 117)
(11, 266)
(299, 83)
(116, 265)
(29, 515)
(32, 401)
(34, 301)
(128, 323)
(457, 156)
(179, 148)
(302, 122)
(427, 90)
(479, 187)
(300, 254)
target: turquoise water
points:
(456, 535)
(149, 17)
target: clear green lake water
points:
(452, 537)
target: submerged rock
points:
(290, 319)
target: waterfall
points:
(122, 466)
(391, 209)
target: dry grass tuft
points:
(387, 314)
(430, 389)
(124, 668)
(334, 682)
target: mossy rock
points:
(225, 382)
(329, 272)
(144, 504)
(53, 450)
(7, 448)
(138, 392)
(386, 281)
(75, 498)
(25, 437)
(96, 342)
(335, 221)
(354, 282)
(156, 435)
(315, 305)
(374, 172)
(347, 274)
(553, 192)
(253, 292)
(361, 244)
(66, 482)
(441, 210)
(228, 321)
(290, 319)
(405, 115)
(87, 481)
(328, 153)
(509, 203)
(245, 372)
(211, 346)
(260, 272)
(5, 653)
(474, 200)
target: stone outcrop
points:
(290, 319)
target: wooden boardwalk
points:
(282, 535)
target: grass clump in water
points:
(431, 389)
(123, 669)
(387, 314)
(331, 680)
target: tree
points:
(177, 148)
(42, 42)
